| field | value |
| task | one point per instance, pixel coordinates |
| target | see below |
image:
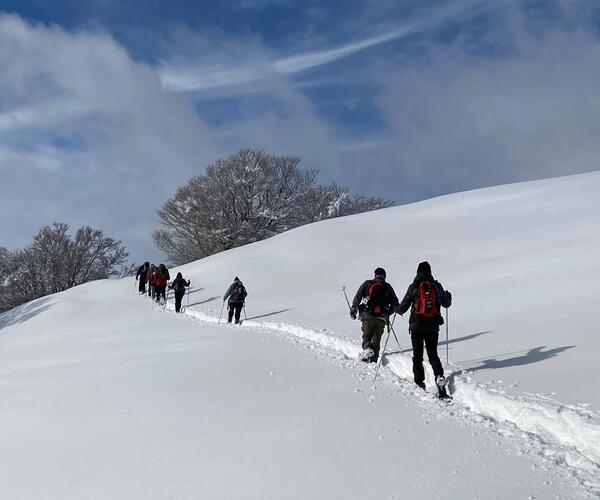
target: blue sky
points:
(106, 107)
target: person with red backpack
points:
(374, 301)
(236, 293)
(161, 278)
(425, 296)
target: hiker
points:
(237, 297)
(179, 285)
(374, 301)
(141, 276)
(151, 281)
(161, 278)
(424, 296)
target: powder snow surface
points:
(105, 395)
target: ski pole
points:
(447, 362)
(134, 285)
(245, 317)
(382, 353)
(396, 337)
(221, 315)
(346, 295)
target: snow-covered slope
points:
(522, 262)
(107, 396)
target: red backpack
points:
(377, 295)
(426, 303)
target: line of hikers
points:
(158, 277)
(374, 303)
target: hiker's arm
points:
(406, 301)
(445, 296)
(360, 293)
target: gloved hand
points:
(448, 296)
(353, 312)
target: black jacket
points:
(418, 323)
(179, 285)
(229, 294)
(142, 272)
(359, 302)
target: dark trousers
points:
(161, 290)
(234, 307)
(372, 331)
(178, 297)
(430, 339)
(142, 286)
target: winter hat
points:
(380, 271)
(179, 275)
(236, 279)
(424, 268)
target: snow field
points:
(106, 396)
(570, 435)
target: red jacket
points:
(158, 281)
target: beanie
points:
(424, 268)
(380, 271)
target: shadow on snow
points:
(25, 312)
(268, 314)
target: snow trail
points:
(569, 435)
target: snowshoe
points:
(441, 385)
(368, 355)
(421, 385)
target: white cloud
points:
(186, 77)
(462, 121)
(88, 135)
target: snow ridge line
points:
(556, 424)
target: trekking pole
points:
(382, 353)
(134, 285)
(447, 362)
(220, 315)
(245, 317)
(346, 295)
(396, 337)
(394, 332)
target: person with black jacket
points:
(236, 293)
(141, 276)
(179, 285)
(374, 301)
(424, 297)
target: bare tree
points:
(247, 197)
(55, 261)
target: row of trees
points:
(56, 261)
(247, 197)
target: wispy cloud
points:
(192, 78)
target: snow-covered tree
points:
(247, 197)
(56, 261)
